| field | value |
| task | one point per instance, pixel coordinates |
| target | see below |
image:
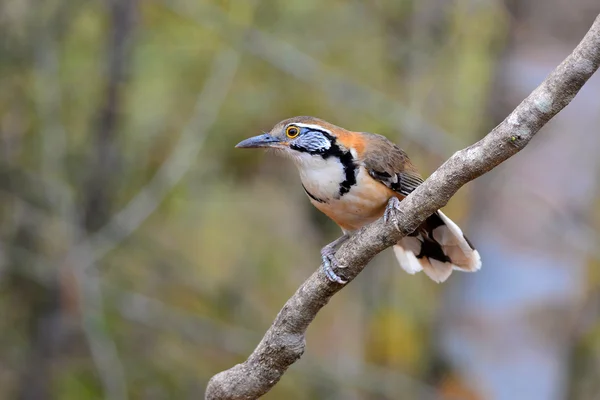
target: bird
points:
(356, 178)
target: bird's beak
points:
(264, 140)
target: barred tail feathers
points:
(437, 248)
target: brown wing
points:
(389, 164)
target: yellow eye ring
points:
(292, 131)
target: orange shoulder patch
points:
(353, 140)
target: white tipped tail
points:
(437, 247)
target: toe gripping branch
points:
(328, 252)
(389, 215)
(330, 262)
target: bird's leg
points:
(389, 215)
(329, 260)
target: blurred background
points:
(140, 253)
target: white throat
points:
(320, 177)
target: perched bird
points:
(355, 178)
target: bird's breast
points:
(362, 204)
(321, 177)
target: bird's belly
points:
(363, 204)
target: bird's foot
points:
(389, 215)
(330, 262)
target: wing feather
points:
(389, 164)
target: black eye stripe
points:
(334, 150)
(311, 141)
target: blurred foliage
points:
(191, 291)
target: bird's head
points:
(298, 138)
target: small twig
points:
(89, 250)
(102, 347)
(179, 162)
(338, 88)
(156, 314)
(284, 342)
(128, 219)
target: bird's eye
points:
(292, 132)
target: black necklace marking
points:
(349, 171)
(315, 198)
(334, 150)
(347, 161)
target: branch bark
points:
(284, 342)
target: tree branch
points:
(284, 342)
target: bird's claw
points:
(389, 215)
(329, 263)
